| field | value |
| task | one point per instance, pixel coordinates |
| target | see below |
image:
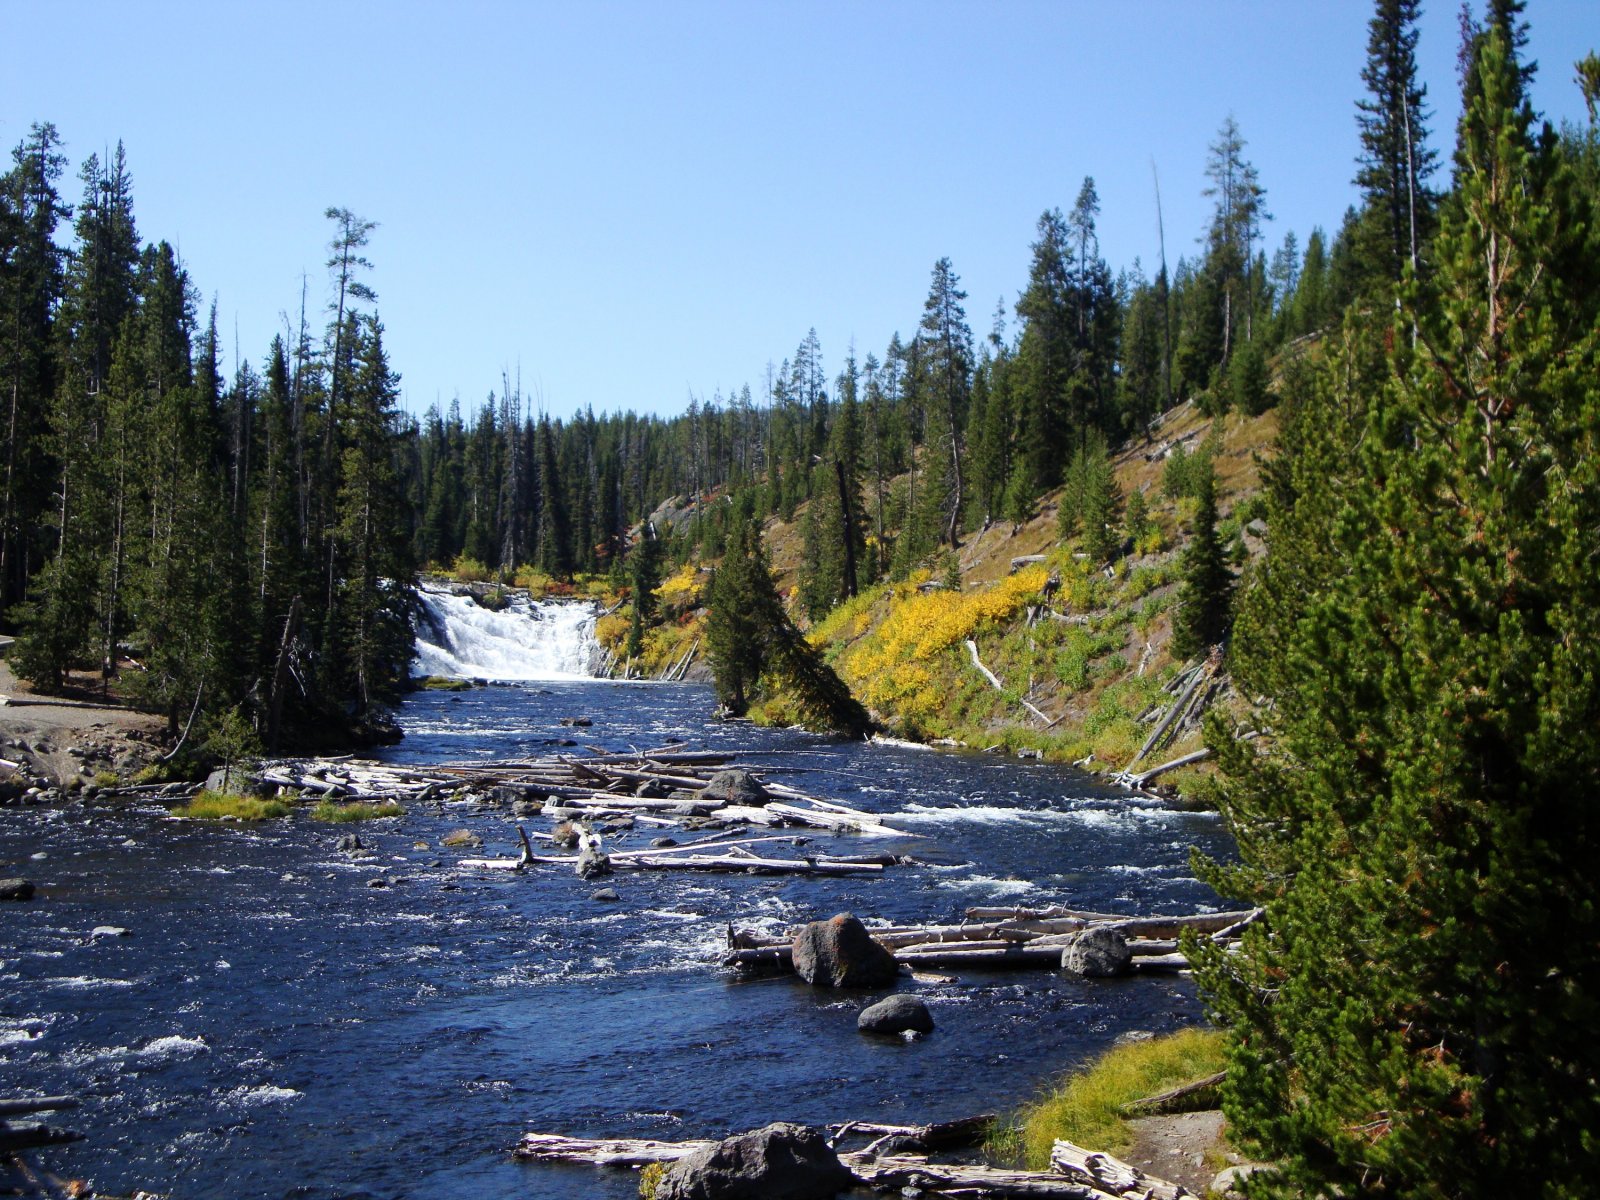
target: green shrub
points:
(469, 570)
(650, 1179)
(442, 683)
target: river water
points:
(274, 1026)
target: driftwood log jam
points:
(994, 938)
(662, 786)
(1075, 1174)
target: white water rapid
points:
(528, 639)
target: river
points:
(274, 1026)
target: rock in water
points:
(841, 953)
(1098, 953)
(734, 786)
(896, 1015)
(235, 781)
(781, 1162)
(593, 862)
(16, 889)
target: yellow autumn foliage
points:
(888, 670)
(611, 630)
(680, 589)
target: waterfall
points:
(528, 639)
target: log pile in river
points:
(992, 938)
(898, 1161)
(655, 787)
(723, 852)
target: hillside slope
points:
(1081, 655)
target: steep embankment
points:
(1074, 660)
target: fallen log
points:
(606, 1152)
(971, 1182)
(33, 1135)
(940, 1135)
(883, 1173)
(1129, 779)
(1189, 1097)
(21, 1106)
(1111, 1175)
(1149, 927)
(752, 864)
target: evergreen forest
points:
(1410, 764)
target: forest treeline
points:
(240, 540)
(1412, 775)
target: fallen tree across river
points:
(994, 938)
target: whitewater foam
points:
(527, 640)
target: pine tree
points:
(1230, 256)
(32, 272)
(1395, 158)
(741, 607)
(1044, 355)
(1206, 591)
(946, 342)
(1413, 1017)
(373, 533)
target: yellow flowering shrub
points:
(681, 589)
(535, 580)
(851, 618)
(469, 570)
(889, 670)
(611, 630)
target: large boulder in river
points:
(235, 781)
(16, 889)
(841, 953)
(1098, 952)
(593, 862)
(734, 786)
(896, 1015)
(781, 1162)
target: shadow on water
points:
(274, 1026)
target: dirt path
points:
(57, 741)
(1184, 1148)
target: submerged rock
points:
(841, 953)
(1097, 953)
(780, 1162)
(896, 1015)
(606, 895)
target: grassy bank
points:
(1085, 1108)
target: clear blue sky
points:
(633, 202)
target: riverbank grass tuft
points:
(1084, 1108)
(214, 806)
(355, 810)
